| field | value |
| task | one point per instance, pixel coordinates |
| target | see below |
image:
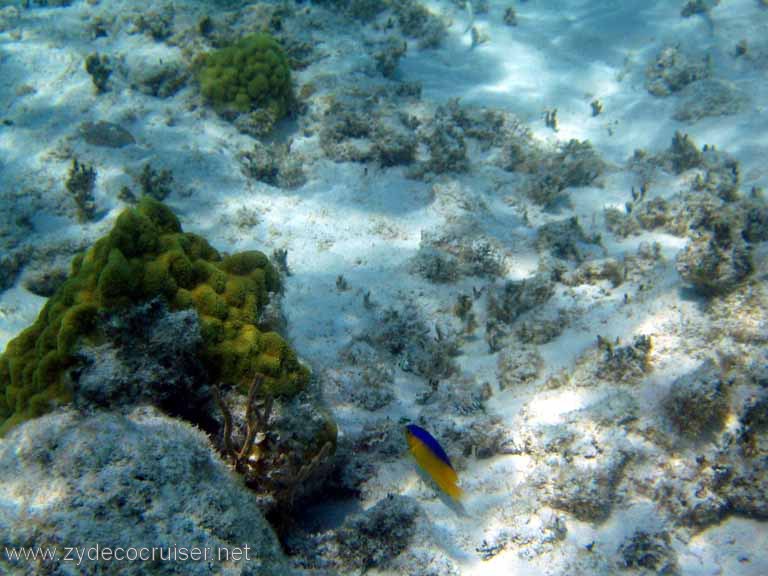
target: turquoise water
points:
(537, 231)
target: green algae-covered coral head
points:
(145, 256)
(251, 74)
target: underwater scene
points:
(384, 287)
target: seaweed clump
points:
(146, 256)
(649, 551)
(698, 402)
(673, 70)
(80, 184)
(100, 69)
(372, 539)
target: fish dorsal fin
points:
(427, 438)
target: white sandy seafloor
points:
(366, 222)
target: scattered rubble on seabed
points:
(575, 304)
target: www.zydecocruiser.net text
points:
(97, 553)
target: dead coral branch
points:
(255, 422)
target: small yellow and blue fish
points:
(435, 464)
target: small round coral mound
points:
(251, 74)
(148, 256)
(697, 402)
